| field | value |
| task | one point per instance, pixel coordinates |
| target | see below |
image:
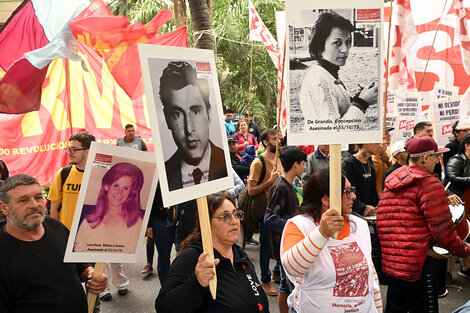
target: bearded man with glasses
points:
(64, 194)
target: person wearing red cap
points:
(413, 214)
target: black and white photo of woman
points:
(323, 96)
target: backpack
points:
(64, 173)
(254, 206)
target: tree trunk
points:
(179, 10)
(202, 25)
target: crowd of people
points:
(394, 210)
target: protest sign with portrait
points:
(113, 205)
(335, 71)
(185, 111)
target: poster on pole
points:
(409, 107)
(186, 116)
(390, 102)
(443, 133)
(443, 91)
(445, 110)
(404, 129)
(334, 81)
(113, 205)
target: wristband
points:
(361, 104)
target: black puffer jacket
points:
(458, 174)
(238, 288)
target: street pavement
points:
(144, 289)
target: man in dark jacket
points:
(360, 171)
(235, 158)
(459, 129)
(413, 215)
(283, 202)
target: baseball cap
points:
(462, 124)
(419, 146)
(232, 139)
(397, 147)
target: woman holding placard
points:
(330, 275)
(113, 225)
(324, 98)
(186, 286)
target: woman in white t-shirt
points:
(113, 224)
(330, 275)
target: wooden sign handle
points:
(204, 222)
(335, 179)
(91, 297)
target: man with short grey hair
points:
(43, 282)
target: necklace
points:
(367, 173)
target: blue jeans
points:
(265, 252)
(285, 286)
(163, 245)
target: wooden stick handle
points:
(203, 212)
(335, 179)
(91, 297)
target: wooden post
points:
(386, 72)
(335, 179)
(279, 112)
(203, 212)
(432, 47)
(91, 297)
(249, 88)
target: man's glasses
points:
(349, 192)
(72, 150)
(237, 214)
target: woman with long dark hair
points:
(323, 95)
(186, 288)
(116, 219)
(329, 274)
(458, 174)
(244, 137)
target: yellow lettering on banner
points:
(76, 92)
(49, 97)
(15, 151)
(85, 38)
(126, 106)
(101, 103)
(115, 57)
(31, 124)
(146, 111)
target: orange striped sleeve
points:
(292, 236)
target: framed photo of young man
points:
(113, 205)
(334, 71)
(185, 111)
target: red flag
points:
(462, 32)
(405, 35)
(124, 62)
(42, 40)
(114, 39)
(23, 24)
(97, 27)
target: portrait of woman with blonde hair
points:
(116, 219)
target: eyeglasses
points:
(349, 192)
(237, 214)
(72, 150)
